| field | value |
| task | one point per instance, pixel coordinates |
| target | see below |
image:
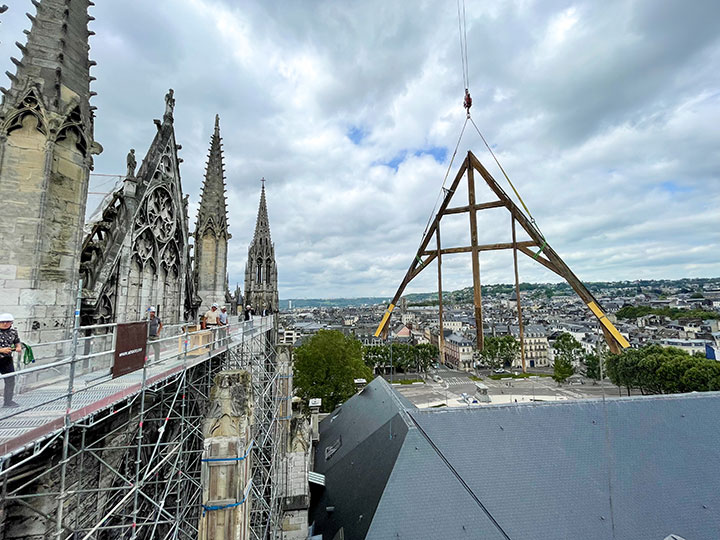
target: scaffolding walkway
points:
(88, 456)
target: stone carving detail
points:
(229, 404)
(29, 105)
(161, 214)
(145, 246)
(169, 103)
(170, 258)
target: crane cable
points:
(462, 27)
(467, 103)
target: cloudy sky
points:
(601, 113)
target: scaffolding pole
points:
(132, 470)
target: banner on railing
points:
(130, 347)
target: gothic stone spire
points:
(211, 229)
(262, 225)
(213, 203)
(261, 289)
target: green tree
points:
(499, 351)
(426, 354)
(326, 366)
(403, 357)
(592, 366)
(663, 370)
(562, 369)
(376, 356)
(569, 349)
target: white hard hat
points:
(152, 309)
(215, 304)
(6, 317)
(224, 308)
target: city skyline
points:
(352, 113)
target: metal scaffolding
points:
(260, 360)
(125, 460)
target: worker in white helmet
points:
(9, 342)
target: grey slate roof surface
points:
(541, 471)
(423, 499)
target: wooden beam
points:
(483, 247)
(477, 290)
(539, 258)
(521, 332)
(430, 258)
(441, 335)
(410, 274)
(561, 268)
(481, 206)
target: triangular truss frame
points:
(545, 255)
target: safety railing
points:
(74, 374)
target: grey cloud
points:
(606, 133)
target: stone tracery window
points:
(161, 214)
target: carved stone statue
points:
(230, 407)
(131, 163)
(169, 103)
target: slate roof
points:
(522, 471)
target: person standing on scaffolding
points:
(223, 325)
(211, 319)
(154, 327)
(9, 342)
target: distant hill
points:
(334, 302)
(465, 296)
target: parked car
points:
(499, 370)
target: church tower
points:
(211, 229)
(261, 290)
(46, 148)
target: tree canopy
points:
(325, 367)
(499, 351)
(568, 352)
(403, 356)
(663, 370)
(633, 312)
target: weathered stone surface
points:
(227, 469)
(46, 142)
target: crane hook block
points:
(467, 103)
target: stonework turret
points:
(46, 148)
(211, 229)
(261, 290)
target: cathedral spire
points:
(262, 225)
(213, 203)
(261, 288)
(55, 63)
(211, 229)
